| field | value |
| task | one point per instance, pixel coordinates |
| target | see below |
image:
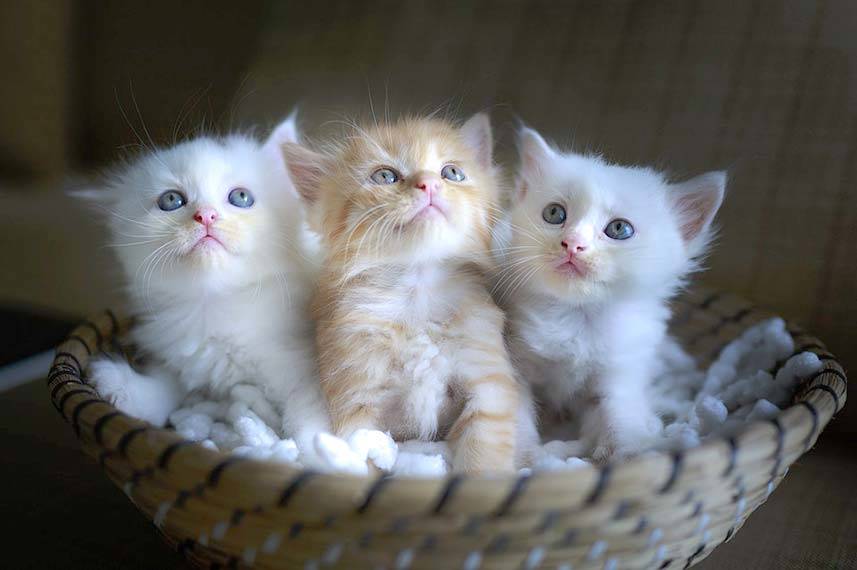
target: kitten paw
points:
(376, 446)
(147, 398)
(334, 454)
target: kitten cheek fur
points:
(409, 340)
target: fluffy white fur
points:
(695, 405)
(225, 316)
(585, 333)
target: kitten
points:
(409, 338)
(594, 253)
(209, 236)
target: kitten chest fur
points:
(218, 339)
(561, 349)
(414, 317)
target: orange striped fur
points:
(409, 338)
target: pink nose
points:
(427, 185)
(205, 216)
(574, 247)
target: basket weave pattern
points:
(658, 511)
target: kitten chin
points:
(593, 251)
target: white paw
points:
(375, 446)
(334, 454)
(144, 397)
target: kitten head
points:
(412, 191)
(206, 214)
(585, 230)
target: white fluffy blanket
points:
(738, 387)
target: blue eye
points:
(241, 197)
(385, 176)
(171, 200)
(619, 229)
(452, 172)
(553, 214)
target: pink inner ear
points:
(697, 210)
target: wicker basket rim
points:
(818, 399)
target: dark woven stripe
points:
(691, 558)
(70, 394)
(376, 487)
(296, 529)
(829, 390)
(734, 319)
(778, 453)
(733, 456)
(474, 523)
(600, 485)
(114, 322)
(55, 390)
(499, 545)
(814, 413)
(824, 371)
(448, 490)
(729, 533)
(824, 356)
(97, 333)
(666, 563)
(100, 423)
(809, 347)
(677, 464)
(237, 517)
(514, 493)
(167, 454)
(61, 404)
(56, 372)
(568, 539)
(81, 341)
(232, 563)
(186, 546)
(140, 474)
(697, 509)
(621, 510)
(293, 487)
(70, 356)
(75, 415)
(548, 522)
(365, 539)
(125, 440)
(429, 543)
(104, 456)
(642, 525)
(217, 472)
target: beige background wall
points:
(765, 89)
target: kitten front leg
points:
(151, 397)
(623, 421)
(291, 381)
(483, 437)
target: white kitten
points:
(594, 251)
(209, 234)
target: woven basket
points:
(658, 511)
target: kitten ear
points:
(534, 151)
(477, 135)
(305, 168)
(285, 132)
(696, 201)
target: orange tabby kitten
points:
(410, 341)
